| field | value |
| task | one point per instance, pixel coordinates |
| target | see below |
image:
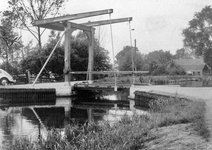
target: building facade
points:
(194, 67)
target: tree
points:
(32, 61)
(25, 50)
(25, 12)
(183, 54)
(173, 69)
(152, 66)
(124, 59)
(157, 62)
(160, 56)
(10, 68)
(10, 42)
(79, 57)
(198, 35)
(101, 58)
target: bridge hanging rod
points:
(72, 17)
(105, 22)
(109, 72)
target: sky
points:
(156, 24)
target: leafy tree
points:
(101, 58)
(10, 68)
(124, 59)
(146, 67)
(160, 70)
(32, 61)
(198, 35)
(79, 57)
(160, 56)
(156, 68)
(173, 69)
(138, 60)
(25, 50)
(153, 66)
(183, 54)
(10, 41)
(25, 12)
(156, 61)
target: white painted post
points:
(90, 36)
(67, 52)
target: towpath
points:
(193, 93)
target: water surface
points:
(35, 119)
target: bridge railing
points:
(108, 76)
(142, 77)
(110, 72)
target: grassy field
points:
(171, 122)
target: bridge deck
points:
(61, 88)
(100, 86)
(65, 89)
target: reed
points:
(128, 133)
(166, 112)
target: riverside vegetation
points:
(166, 116)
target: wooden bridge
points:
(66, 24)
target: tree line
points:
(18, 57)
(158, 62)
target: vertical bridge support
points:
(90, 36)
(69, 28)
(67, 53)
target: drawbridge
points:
(65, 23)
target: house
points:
(195, 67)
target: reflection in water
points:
(35, 119)
(14, 124)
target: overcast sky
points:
(157, 24)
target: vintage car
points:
(5, 78)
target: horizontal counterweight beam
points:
(72, 17)
(109, 72)
(105, 22)
(60, 26)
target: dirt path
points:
(193, 93)
(177, 137)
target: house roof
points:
(191, 64)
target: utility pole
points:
(135, 61)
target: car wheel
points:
(4, 81)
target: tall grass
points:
(166, 112)
(128, 133)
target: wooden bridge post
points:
(90, 36)
(67, 51)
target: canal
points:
(33, 120)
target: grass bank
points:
(131, 133)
